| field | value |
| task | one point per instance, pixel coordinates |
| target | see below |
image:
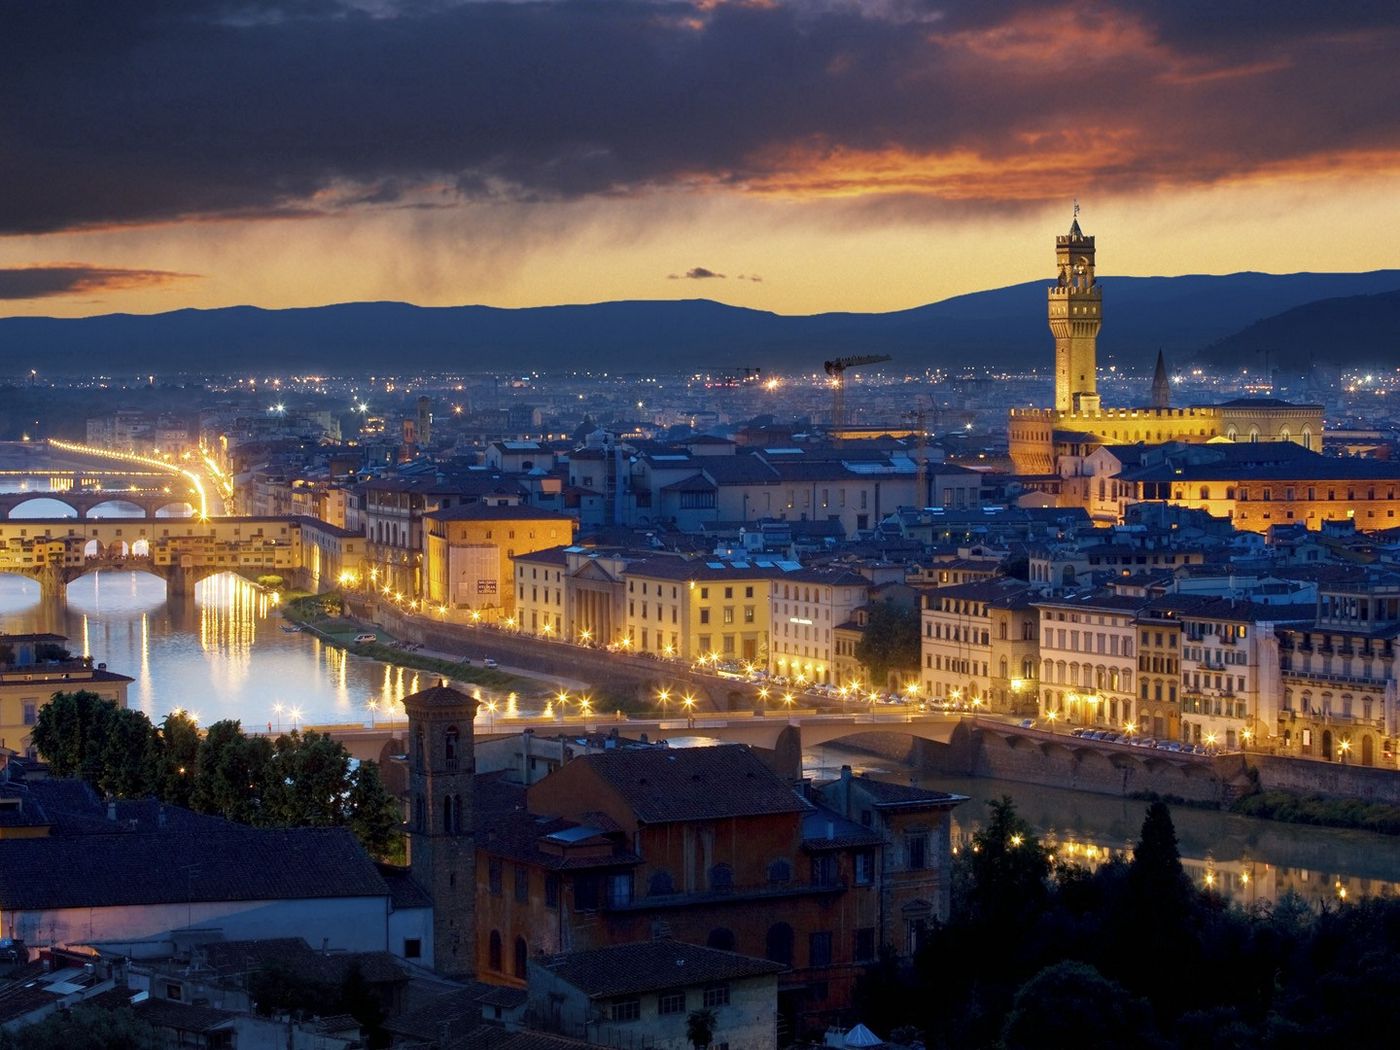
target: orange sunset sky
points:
(791, 156)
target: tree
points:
(1156, 879)
(81, 734)
(177, 758)
(1009, 868)
(308, 781)
(84, 1028)
(700, 1028)
(375, 815)
(231, 774)
(890, 641)
(1072, 1004)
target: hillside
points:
(1356, 331)
(1004, 325)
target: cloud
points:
(695, 273)
(212, 109)
(56, 279)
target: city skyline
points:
(790, 157)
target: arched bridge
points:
(183, 551)
(83, 501)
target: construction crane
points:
(837, 370)
(919, 416)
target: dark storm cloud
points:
(46, 282)
(134, 111)
(695, 273)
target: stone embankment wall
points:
(1308, 777)
(615, 673)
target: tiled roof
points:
(237, 864)
(645, 966)
(486, 512)
(886, 794)
(664, 785)
(439, 696)
(183, 1017)
(234, 959)
(404, 891)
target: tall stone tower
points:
(1076, 313)
(441, 847)
(1161, 385)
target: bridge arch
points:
(47, 501)
(117, 507)
(174, 509)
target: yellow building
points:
(30, 676)
(690, 609)
(1040, 437)
(469, 554)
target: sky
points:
(790, 155)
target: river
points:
(1246, 859)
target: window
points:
(31, 714)
(916, 851)
(865, 865)
(173, 991)
(819, 948)
(779, 873)
(671, 1003)
(522, 884)
(748, 592)
(522, 956)
(625, 1010)
(551, 891)
(620, 889)
(412, 948)
(493, 953)
(704, 615)
(586, 892)
(493, 875)
(824, 870)
(778, 943)
(748, 614)
(865, 944)
(716, 995)
(729, 614)
(704, 593)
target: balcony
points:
(1330, 676)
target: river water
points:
(1246, 859)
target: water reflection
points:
(199, 654)
(1245, 859)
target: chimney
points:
(845, 772)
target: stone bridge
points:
(182, 551)
(83, 501)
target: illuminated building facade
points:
(1039, 437)
(470, 551)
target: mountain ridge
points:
(1182, 315)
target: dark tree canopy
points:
(890, 641)
(298, 780)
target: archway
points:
(1368, 750)
(116, 508)
(92, 549)
(141, 549)
(43, 507)
(1327, 744)
(177, 509)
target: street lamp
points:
(688, 702)
(373, 706)
(664, 696)
(296, 715)
(1052, 716)
(279, 708)
(1344, 747)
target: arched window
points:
(522, 955)
(493, 960)
(449, 746)
(779, 943)
(779, 873)
(722, 878)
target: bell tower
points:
(1076, 314)
(441, 845)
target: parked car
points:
(488, 663)
(1028, 723)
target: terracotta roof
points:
(485, 512)
(439, 696)
(646, 966)
(665, 785)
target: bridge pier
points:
(179, 582)
(53, 585)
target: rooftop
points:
(644, 966)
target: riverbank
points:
(319, 615)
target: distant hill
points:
(1004, 325)
(1356, 330)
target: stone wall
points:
(1308, 776)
